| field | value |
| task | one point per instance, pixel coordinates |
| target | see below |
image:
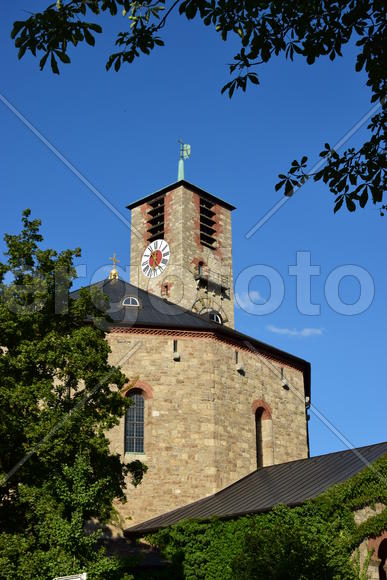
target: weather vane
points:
(185, 153)
(113, 272)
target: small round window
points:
(131, 301)
(215, 317)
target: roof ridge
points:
(175, 184)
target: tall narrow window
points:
(134, 424)
(258, 436)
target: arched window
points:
(258, 436)
(263, 433)
(215, 317)
(131, 301)
(134, 423)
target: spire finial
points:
(113, 272)
(185, 153)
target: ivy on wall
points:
(313, 541)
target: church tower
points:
(181, 249)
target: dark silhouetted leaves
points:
(312, 30)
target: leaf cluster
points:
(309, 29)
(354, 177)
(58, 397)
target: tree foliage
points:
(58, 397)
(310, 29)
(315, 540)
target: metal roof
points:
(156, 312)
(187, 185)
(289, 483)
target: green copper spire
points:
(185, 153)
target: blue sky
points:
(120, 131)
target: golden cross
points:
(115, 261)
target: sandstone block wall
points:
(199, 421)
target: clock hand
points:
(151, 257)
(155, 262)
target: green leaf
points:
(117, 64)
(89, 37)
(96, 27)
(351, 206)
(363, 198)
(279, 185)
(22, 51)
(288, 188)
(54, 64)
(17, 26)
(352, 178)
(339, 203)
(63, 56)
(341, 184)
(253, 78)
(43, 60)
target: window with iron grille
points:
(156, 219)
(134, 424)
(207, 223)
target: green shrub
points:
(311, 541)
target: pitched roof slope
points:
(153, 311)
(289, 483)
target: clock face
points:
(155, 259)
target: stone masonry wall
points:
(235, 420)
(199, 422)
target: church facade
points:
(210, 403)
